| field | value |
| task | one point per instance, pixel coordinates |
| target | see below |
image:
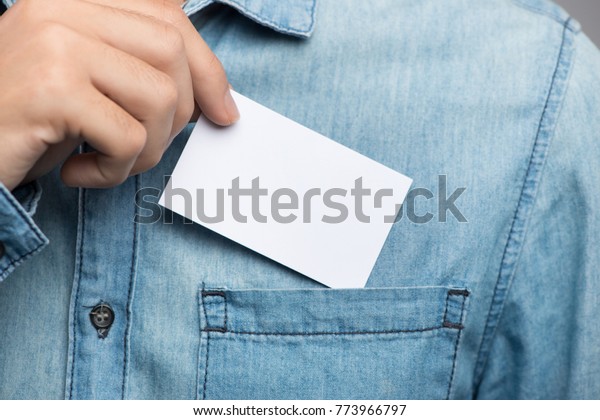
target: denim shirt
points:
(487, 287)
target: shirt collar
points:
(292, 17)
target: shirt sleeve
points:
(547, 343)
(20, 238)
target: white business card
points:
(288, 193)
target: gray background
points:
(587, 12)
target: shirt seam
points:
(526, 201)
(22, 215)
(74, 319)
(567, 21)
(321, 333)
(38, 236)
(130, 297)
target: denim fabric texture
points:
(499, 97)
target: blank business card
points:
(288, 193)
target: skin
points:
(123, 76)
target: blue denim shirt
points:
(491, 106)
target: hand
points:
(124, 76)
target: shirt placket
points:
(102, 292)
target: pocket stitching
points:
(464, 294)
(445, 322)
(445, 325)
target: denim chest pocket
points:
(373, 343)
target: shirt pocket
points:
(372, 343)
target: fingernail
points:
(232, 109)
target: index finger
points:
(209, 81)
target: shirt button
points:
(102, 317)
(2, 249)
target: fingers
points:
(125, 114)
(148, 95)
(117, 137)
(153, 41)
(210, 85)
(125, 81)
